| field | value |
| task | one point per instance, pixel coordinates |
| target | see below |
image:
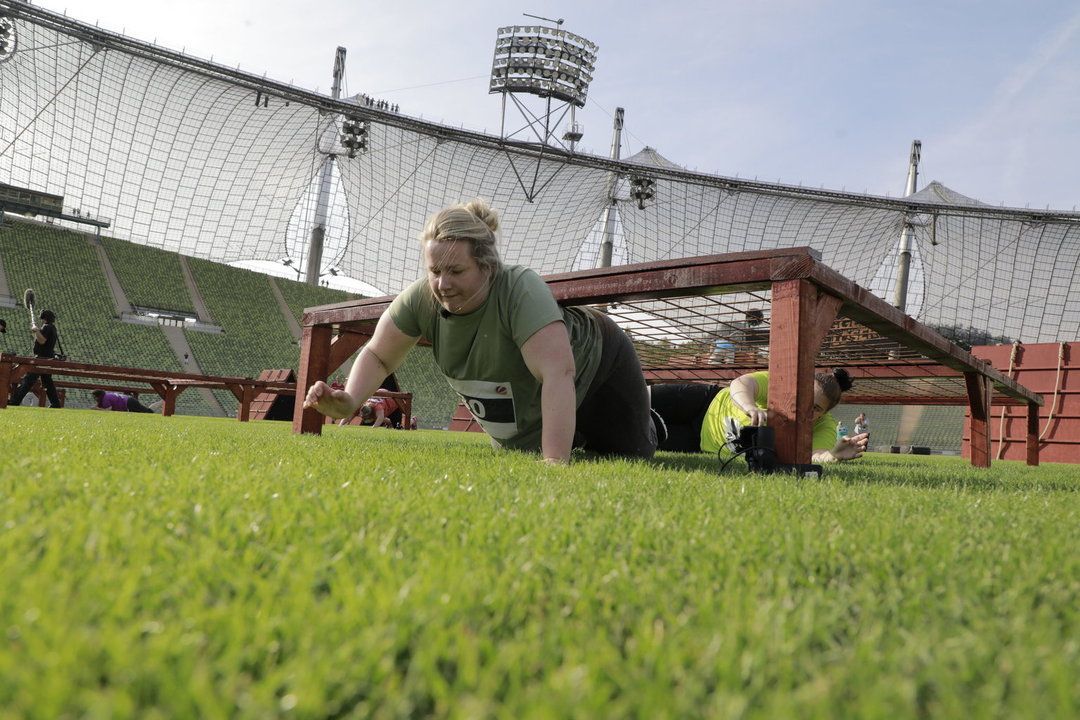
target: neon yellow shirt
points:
(722, 406)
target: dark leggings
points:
(391, 384)
(135, 406)
(28, 382)
(682, 408)
(614, 417)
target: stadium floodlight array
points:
(194, 157)
(543, 61)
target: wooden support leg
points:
(1032, 434)
(247, 394)
(169, 408)
(343, 346)
(801, 317)
(978, 389)
(5, 383)
(314, 366)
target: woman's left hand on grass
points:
(850, 447)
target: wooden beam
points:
(801, 317)
(247, 394)
(978, 387)
(111, 387)
(5, 382)
(1032, 434)
(868, 309)
(168, 409)
(314, 361)
(906, 371)
(732, 272)
(345, 344)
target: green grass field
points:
(200, 567)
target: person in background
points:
(376, 411)
(862, 425)
(705, 418)
(44, 347)
(537, 377)
(118, 401)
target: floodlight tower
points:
(907, 236)
(322, 201)
(545, 62)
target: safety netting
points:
(189, 156)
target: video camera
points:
(758, 446)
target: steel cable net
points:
(203, 160)
(717, 337)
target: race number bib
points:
(491, 403)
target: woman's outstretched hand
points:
(333, 403)
(851, 447)
(759, 417)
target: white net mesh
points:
(199, 159)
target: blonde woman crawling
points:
(536, 376)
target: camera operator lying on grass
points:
(704, 418)
(534, 375)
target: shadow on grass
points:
(954, 473)
(945, 473)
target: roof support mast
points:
(907, 237)
(322, 201)
(608, 242)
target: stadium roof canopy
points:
(193, 157)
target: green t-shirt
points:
(722, 406)
(480, 352)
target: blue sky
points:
(823, 93)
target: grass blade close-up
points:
(202, 567)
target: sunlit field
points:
(196, 567)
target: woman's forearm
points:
(558, 407)
(366, 375)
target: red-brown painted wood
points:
(801, 317)
(798, 324)
(345, 344)
(5, 383)
(1032, 434)
(314, 363)
(978, 387)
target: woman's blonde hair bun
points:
(474, 222)
(483, 213)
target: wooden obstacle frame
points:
(271, 396)
(167, 385)
(679, 311)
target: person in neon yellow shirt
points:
(697, 418)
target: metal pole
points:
(322, 200)
(907, 236)
(573, 126)
(610, 212)
(502, 124)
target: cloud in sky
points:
(826, 93)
